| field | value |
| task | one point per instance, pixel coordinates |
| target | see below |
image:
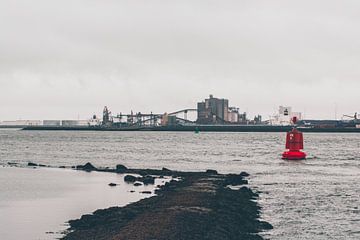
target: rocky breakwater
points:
(202, 205)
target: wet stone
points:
(121, 168)
(210, 171)
(148, 180)
(146, 192)
(87, 167)
(130, 178)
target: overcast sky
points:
(67, 59)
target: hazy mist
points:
(67, 59)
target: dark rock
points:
(244, 174)
(30, 164)
(130, 178)
(87, 167)
(265, 225)
(62, 167)
(248, 192)
(166, 170)
(12, 163)
(121, 168)
(146, 192)
(148, 180)
(42, 165)
(210, 171)
(137, 184)
(112, 184)
(235, 180)
(132, 191)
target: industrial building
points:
(21, 123)
(71, 123)
(217, 111)
(234, 116)
(213, 110)
(53, 123)
(284, 116)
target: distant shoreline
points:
(200, 128)
(12, 127)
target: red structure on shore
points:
(294, 144)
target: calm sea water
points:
(318, 198)
(37, 203)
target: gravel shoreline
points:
(202, 205)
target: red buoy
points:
(294, 144)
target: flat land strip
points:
(202, 205)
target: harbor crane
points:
(355, 116)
